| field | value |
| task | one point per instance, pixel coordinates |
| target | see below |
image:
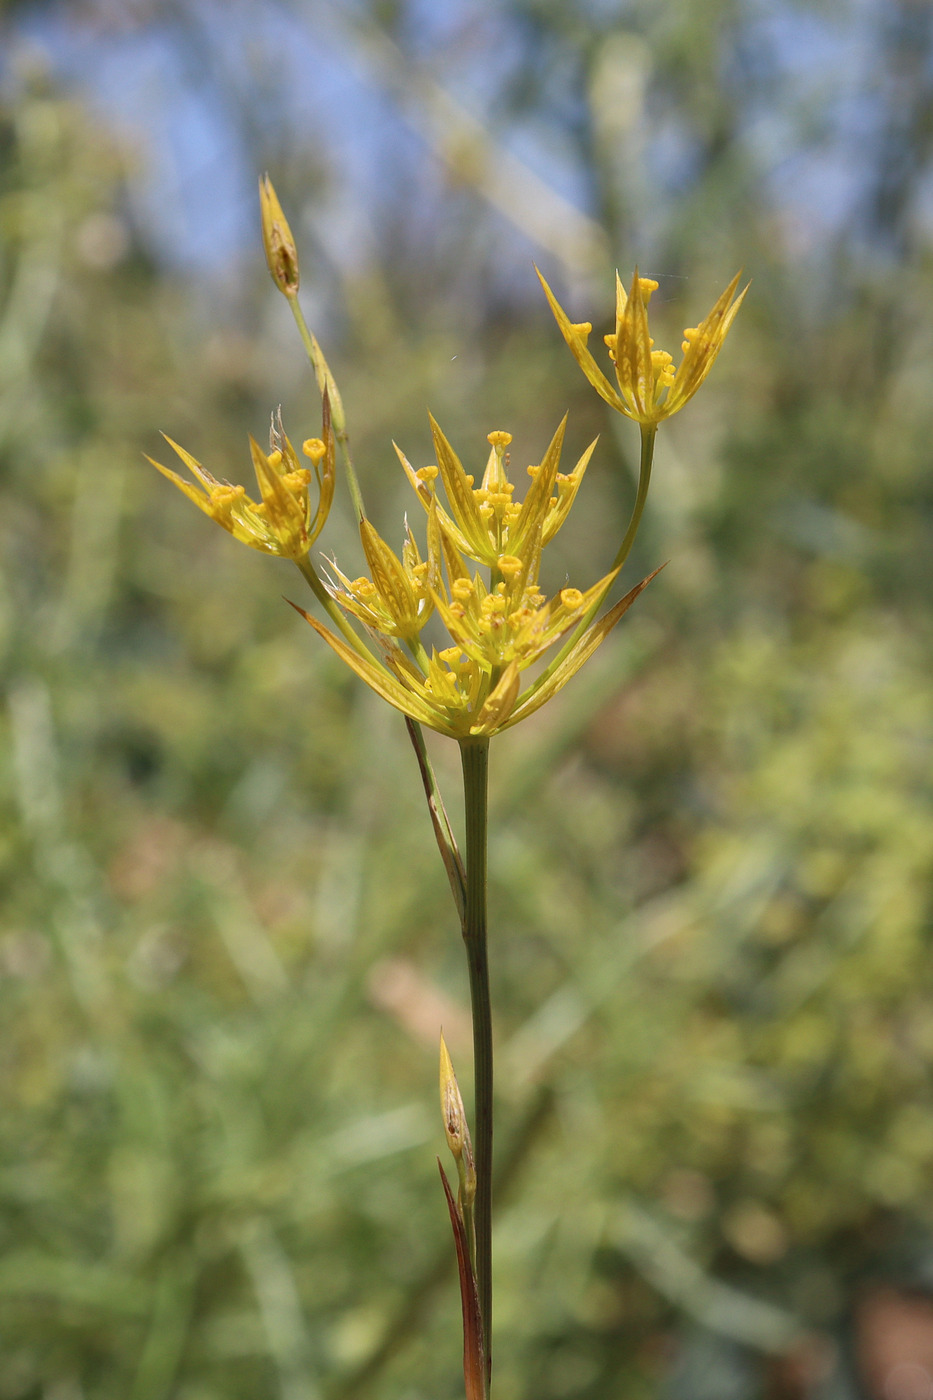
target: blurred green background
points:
(226, 941)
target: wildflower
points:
(496, 628)
(280, 522)
(650, 388)
(399, 598)
(486, 523)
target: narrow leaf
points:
(474, 1362)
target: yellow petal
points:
(391, 580)
(584, 359)
(705, 345)
(462, 501)
(592, 638)
(567, 488)
(535, 505)
(193, 465)
(327, 472)
(199, 497)
(380, 680)
(423, 493)
(633, 355)
(499, 703)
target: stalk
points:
(474, 755)
(313, 578)
(326, 380)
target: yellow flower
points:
(399, 598)
(496, 629)
(650, 389)
(280, 522)
(486, 523)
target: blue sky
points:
(185, 106)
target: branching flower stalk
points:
(477, 580)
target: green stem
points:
(310, 574)
(649, 432)
(474, 754)
(443, 831)
(325, 380)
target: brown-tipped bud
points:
(455, 1127)
(281, 253)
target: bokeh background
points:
(226, 941)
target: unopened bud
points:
(281, 253)
(455, 1127)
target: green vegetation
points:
(226, 945)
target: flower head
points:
(485, 523)
(280, 522)
(399, 597)
(497, 625)
(650, 389)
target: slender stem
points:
(310, 574)
(475, 759)
(326, 380)
(648, 434)
(443, 831)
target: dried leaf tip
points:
(281, 253)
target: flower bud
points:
(281, 253)
(455, 1128)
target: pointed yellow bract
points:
(497, 625)
(649, 389)
(280, 522)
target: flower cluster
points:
(650, 389)
(497, 618)
(496, 626)
(280, 522)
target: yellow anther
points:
(426, 474)
(419, 571)
(500, 499)
(499, 439)
(462, 588)
(225, 495)
(533, 472)
(450, 656)
(468, 478)
(647, 285)
(509, 566)
(275, 458)
(581, 328)
(362, 588)
(315, 449)
(297, 480)
(571, 598)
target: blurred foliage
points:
(226, 946)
